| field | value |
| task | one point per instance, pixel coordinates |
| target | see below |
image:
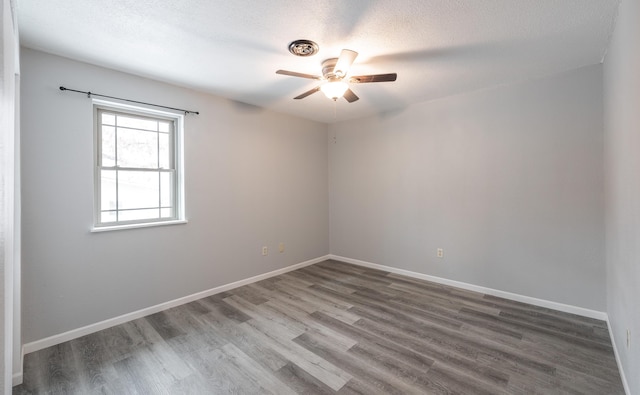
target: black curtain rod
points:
(89, 94)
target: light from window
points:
(137, 167)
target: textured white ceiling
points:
(233, 48)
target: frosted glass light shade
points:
(334, 89)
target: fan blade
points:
(360, 79)
(350, 96)
(307, 93)
(301, 75)
(346, 59)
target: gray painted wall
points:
(622, 164)
(253, 178)
(508, 181)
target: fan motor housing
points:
(327, 68)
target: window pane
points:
(166, 213)
(164, 127)
(138, 189)
(165, 151)
(108, 190)
(137, 149)
(137, 123)
(134, 215)
(108, 119)
(166, 189)
(108, 146)
(108, 216)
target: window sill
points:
(99, 229)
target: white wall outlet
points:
(440, 253)
(628, 339)
(265, 251)
(281, 247)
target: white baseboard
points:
(98, 326)
(16, 379)
(507, 295)
(489, 291)
(618, 361)
(92, 328)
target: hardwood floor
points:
(336, 328)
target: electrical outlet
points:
(440, 253)
(281, 247)
(628, 339)
(265, 251)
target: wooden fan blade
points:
(346, 59)
(350, 96)
(360, 79)
(301, 75)
(307, 93)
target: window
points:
(138, 167)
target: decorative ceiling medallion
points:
(303, 48)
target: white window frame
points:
(177, 158)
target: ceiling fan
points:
(335, 80)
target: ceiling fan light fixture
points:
(335, 78)
(334, 89)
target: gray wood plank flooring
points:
(336, 328)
